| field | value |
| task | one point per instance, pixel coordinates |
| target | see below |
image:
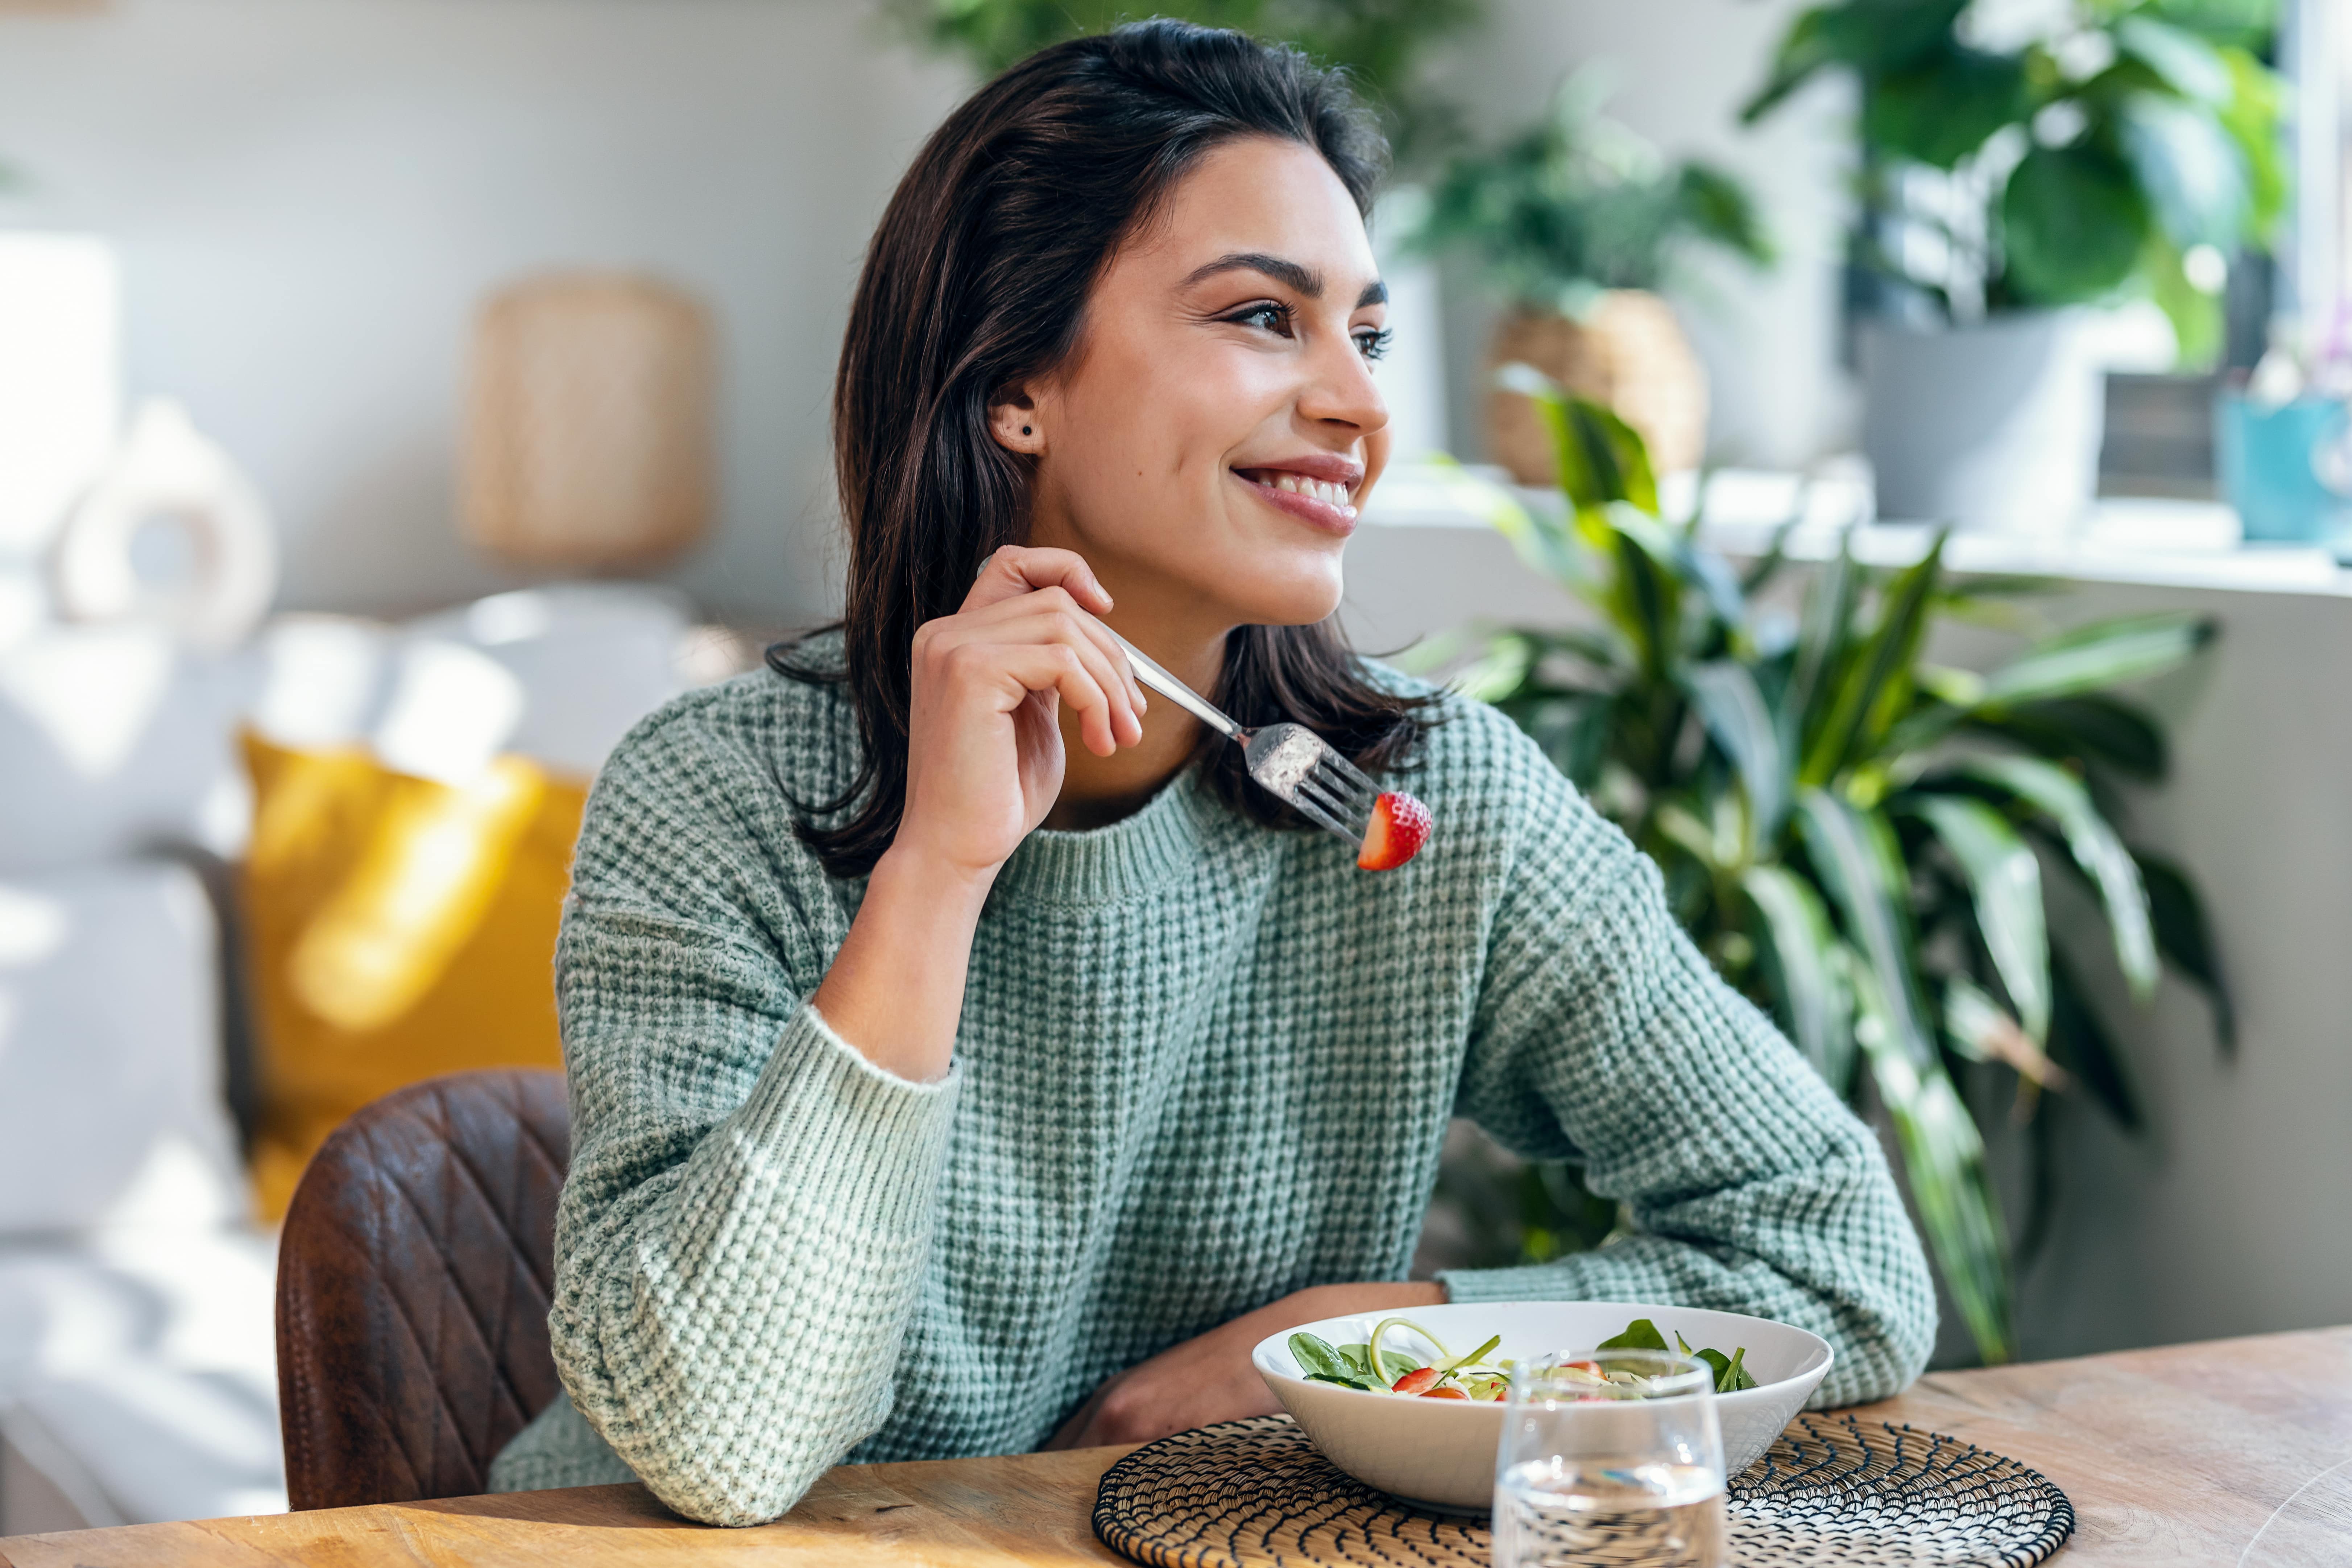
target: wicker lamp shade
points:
(588, 444)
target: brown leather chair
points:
(413, 1282)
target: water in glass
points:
(1632, 1479)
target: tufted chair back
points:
(413, 1282)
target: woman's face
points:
(1208, 444)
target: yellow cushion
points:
(396, 928)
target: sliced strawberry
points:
(1399, 827)
(1416, 1381)
(1447, 1392)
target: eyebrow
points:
(1289, 274)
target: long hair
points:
(977, 281)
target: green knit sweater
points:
(1202, 1064)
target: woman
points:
(964, 1055)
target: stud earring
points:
(1025, 429)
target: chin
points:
(1296, 601)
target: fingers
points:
(1086, 686)
(1018, 569)
(1019, 582)
(1049, 616)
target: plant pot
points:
(1994, 426)
(1628, 352)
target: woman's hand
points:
(984, 766)
(984, 745)
(1210, 1379)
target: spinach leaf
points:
(1640, 1334)
(1319, 1360)
(1730, 1376)
(1342, 1382)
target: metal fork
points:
(1289, 761)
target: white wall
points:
(311, 196)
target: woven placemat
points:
(1831, 1490)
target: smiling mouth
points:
(1324, 501)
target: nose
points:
(1340, 391)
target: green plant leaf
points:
(1876, 35)
(2091, 730)
(1735, 712)
(1881, 668)
(1642, 593)
(2251, 118)
(2005, 885)
(2073, 221)
(1855, 856)
(1717, 207)
(1942, 109)
(2199, 327)
(2103, 654)
(1821, 637)
(1982, 1030)
(2080, 1043)
(2186, 63)
(1502, 670)
(1795, 926)
(2185, 939)
(1943, 1156)
(2248, 24)
(1604, 460)
(2060, 795)
(1573, 729)
(2189, 170)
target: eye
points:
(1272, 315)
(1373, 342)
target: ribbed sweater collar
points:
(1160, 844)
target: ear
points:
(1015, 424)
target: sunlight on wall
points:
(92, 691)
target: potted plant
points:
(1575, 222)
(1857, 837)
(2016, 163)
(1379, 42)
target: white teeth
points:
(1334, 495)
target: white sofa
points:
(137, 1368)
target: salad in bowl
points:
(1413, 1404)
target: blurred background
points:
(398, 398)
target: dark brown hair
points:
(977, 281)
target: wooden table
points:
(2171, 1457)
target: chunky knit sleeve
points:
(748, 1212)
(1601, 1032)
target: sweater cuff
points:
(1593, 1276)
(861, 1143)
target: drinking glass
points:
(1626, 1476)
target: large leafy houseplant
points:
(1857, 837)
(2021, 157)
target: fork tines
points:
(1335, 794)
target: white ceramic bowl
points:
(1440, 1453)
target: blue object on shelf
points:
(2273, 468)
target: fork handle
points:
(1147, 671)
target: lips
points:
(1318, 488)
